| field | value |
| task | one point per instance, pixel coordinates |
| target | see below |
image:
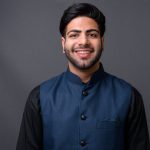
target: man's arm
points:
(137, 137)
(30, 136)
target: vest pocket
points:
(107, 134)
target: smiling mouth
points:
(83, 53)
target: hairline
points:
(64, 33)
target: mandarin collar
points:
(96, 77)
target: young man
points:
(84, 107)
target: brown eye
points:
(93, 35)
(73, 36)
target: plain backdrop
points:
(30, 51)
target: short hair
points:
(82, 9)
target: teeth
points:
(83, 52)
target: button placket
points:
(83, 117)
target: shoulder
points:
(34, 95)
(121, 83)
(137, 100)
(33, 98)
(52, 81)
(118, 82)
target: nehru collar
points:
(96, 77)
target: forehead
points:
(82, 23)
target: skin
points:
(83, 46)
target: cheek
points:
(69, 44)
(98, 44)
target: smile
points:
(83, 52)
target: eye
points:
(93, 35)
(73, 35)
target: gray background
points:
(30, 51)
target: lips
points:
(83, 53)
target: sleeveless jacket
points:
(78, 116)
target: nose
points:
(83, 40)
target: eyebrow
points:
(79, 31)
(92, 30)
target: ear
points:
(63, 43)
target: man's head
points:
(82, 9)
(82, 27)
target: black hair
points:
(82, 9)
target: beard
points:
(83, 63)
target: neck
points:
(85, 75)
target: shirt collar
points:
(96, 77)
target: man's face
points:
(82, 43)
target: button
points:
(83, 142)
(83, 117)
(85, 93)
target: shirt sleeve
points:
(137, 137)
(30, 136)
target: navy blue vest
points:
(84, 116)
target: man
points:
(84, 107)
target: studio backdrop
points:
(31, 52)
